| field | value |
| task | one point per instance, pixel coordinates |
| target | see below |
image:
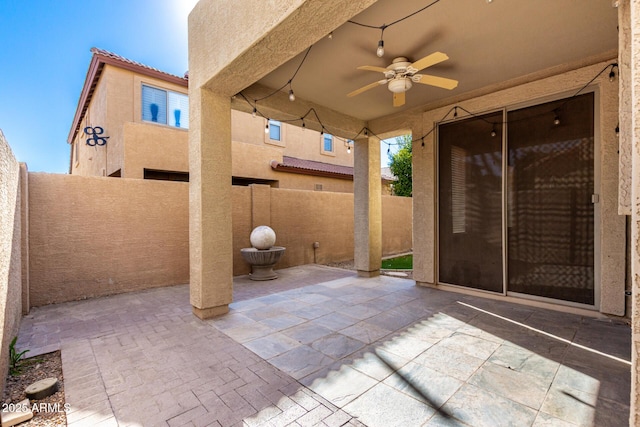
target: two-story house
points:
(132, 121)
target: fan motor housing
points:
(400, 85)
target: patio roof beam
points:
(237, 45)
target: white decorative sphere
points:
(262, 237)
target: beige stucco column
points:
(635, 211)
(367, 201)
(423, 157)
(210, 229)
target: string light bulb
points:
(266, 128)
(348, 149)
(612, 75)
(330, 36)
(493, 131)
(255, 111)
(455, 112)
(618, 130)
(380, 50)
(292, 97)
(556, 120)
(304, 126)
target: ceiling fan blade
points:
(372, 68)
(365, 88)
(435, 81)
(428, 61)
(398, 99)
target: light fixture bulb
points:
(255, 111)
(617, 130)
(266, 128)
(330, 36)
(348, 149)
(493, 133)
(304, 126)
(612, 75)
(556, 120)
(292, 97)
(322, 131)
(380, 50)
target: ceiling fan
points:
(401, 74)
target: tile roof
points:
(311, 167)
(387, 175)
(107, 54)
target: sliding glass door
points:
(526, 224)
(470, 202)
(550, 188)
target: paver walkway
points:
(329, 348)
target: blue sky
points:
(45, 53)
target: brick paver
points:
(324, 347)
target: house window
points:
(165, 107)
(327, 143)
(274, 130)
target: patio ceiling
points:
(490, 45)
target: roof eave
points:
(292, 169)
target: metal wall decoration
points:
(95, 133)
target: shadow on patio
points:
(321, 345)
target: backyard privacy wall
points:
(92, 236)
(10, 253)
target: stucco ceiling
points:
(487, 43)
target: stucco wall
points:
(92, 236)
(91, 160)
(396, 224)
(153, 146)
(295, 141)
(301, 218)
(10, 253)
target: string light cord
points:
(289, 82)
(384, 26)
(453, 109)
(555, 110)
(380, 49)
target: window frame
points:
(184, 123)
(267, 136)
(323, 140)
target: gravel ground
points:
(48, 411)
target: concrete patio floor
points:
(321, 346)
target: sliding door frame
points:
(597, 217)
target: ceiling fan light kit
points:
(399, 85)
